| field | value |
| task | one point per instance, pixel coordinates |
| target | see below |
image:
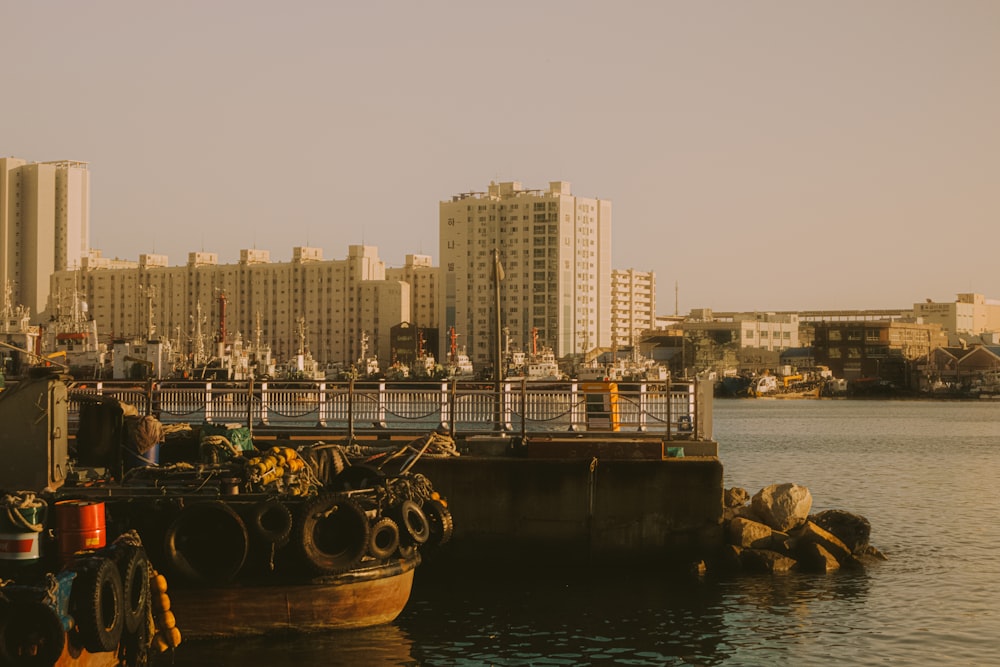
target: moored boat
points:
(253, 540)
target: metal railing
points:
(673, 409)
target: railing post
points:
(208, 402)
(505, 426)
(524, 408)
(445, 417)
(350, 411)
(454, 408)
(670, 406)
(643, 407)
(383, 401)
(263, 402)
(574, 406)
(321, 408)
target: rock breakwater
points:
(774, 532)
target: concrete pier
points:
(581, 500)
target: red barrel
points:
(80, 526)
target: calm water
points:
(923, 473)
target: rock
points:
(769, 562)
(810, 534)
(744, 511)
(735, 497)
(852, 529)
(747, 533)
(727, 559)
(813, 557)
(782, 506)
(870, 555)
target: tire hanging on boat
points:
(384, 539)
(270, 521)
(439, 520)
(331, 534)
(133, 566)
(413, 526)
(207, 543)
(31, 634)
(97, 602)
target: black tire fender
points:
(207, 543)
(270, 521)
(133, 567)
(97, 603)
(384, 539)
(440, 521)
(413, 526)
(31, 634)
(331, 534)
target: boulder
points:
(852, 529)
(782, 506)
(751, 534)
(763, 560)
(813, 557)
(744, 511)
(735, 497)
(727, 559)
(810, 533)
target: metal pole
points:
(497, 348)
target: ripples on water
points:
(922, 472)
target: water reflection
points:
(383, 645)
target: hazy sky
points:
(761, 154)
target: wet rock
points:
(746, 533)
(852, 529)
(809, 533)
(870, 555)
(735, 497)
(813, 557)
(727, 559)
(765, 561)
(782, 506)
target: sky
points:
(758, 155)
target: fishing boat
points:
(254, 539)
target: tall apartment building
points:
(633, 305)
(339, 300)
(555, 250)
(44, 224)
(424, 281)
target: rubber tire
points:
(20, 619)
(331, 534)
(98, 605)
(384, 539)
(440, 521)
(270, 521)
(413, 526)
(133, 566)
(207, 543)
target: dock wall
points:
(585, 509)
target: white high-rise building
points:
(44, 224)
(633, 304)
(555, 249)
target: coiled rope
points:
(20, 501)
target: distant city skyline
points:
(762, 156)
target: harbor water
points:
(923, 472)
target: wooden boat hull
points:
(361, 598)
